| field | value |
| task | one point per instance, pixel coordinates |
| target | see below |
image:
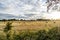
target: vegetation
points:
(7, 30)
(9, 34)
(8, 27)
(25, 20)
(30, 30)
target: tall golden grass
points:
(31, 25)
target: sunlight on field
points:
(31, 25)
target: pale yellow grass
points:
(31, 25)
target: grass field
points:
(30, 30)
(31, 25)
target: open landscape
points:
(30, 30)
(29, 19)
(31, 25)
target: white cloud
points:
(52, 15)
(22, 7)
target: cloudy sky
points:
(26, 9)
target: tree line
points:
(24, 20)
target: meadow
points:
(31, 25)
(30, 30)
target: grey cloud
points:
(24, 8)
(7, 16)
(2, 6)
(31, 2)
(29, 15)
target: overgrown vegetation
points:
(7, 30)
(9, 34)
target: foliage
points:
(52, 34)
(7, 30)
(8, 27)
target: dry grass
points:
(31, 25)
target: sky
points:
(25, 9)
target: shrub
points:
(41, 35)
(7, 30)
(8, 27)
(53, 34)
(25, 36)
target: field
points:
(31, 25)
(30, 30)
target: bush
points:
(42, 34)
(7, 30)
(8, 27)
(53, 34)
